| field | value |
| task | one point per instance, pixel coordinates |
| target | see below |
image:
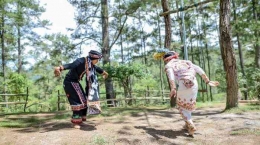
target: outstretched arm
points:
(101, 71)
(205, 77)
(209, 82)
(170, 75)
(74, 64)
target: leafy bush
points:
(253, 82)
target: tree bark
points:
(168, 34)
(19, 51)
(106, 49)
(161, 71)
(210, 89)
(227, 53)
(204, 27)
(240, 50)
(3, 54)
(3, 45)
(167, 21)
(257, 46)
(191, 45)
(19, 42)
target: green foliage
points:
(253, 81)
(124, 71)
(221, 77)
(147, 81)
(17, 83)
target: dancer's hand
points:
(57, 71)
(105, 74)
(173, 93)
(213, 83)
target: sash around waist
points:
(186, 78)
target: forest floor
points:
(139, 127)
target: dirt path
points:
(159, 127)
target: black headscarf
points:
(94, 55)
(171, 53)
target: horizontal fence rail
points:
(17, 102)
(113, 102)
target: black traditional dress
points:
(73, 89)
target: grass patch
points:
(99, 140)
(244, 108)
(20, 122)
(220, 97)
(63, 116)
(209, 104)
(24, 120)
(129, 111)
(246, 132)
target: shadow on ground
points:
(47, 127)
(166, 133)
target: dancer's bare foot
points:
(191, 128)
(191, 131)
(76, 126)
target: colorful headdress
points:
(159, 54)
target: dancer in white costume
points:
(183, 73)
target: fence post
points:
(58, 100)
(27, 95)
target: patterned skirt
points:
(186, 97)
(75, 95)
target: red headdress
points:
(170, 55)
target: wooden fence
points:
(118, 101)
(17, 102)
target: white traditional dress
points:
(183, 73)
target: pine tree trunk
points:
(3, 55)
(167, 21)
(160, 63)
(204, 27)
(240, 51)
(191, 46)
(106, 49)
(227, 53)
(19, 43)
(19, 51)
(209, 72)
(168, 37)
(257, 33)
(121, 38)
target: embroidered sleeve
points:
(170, 75)
(198, 69)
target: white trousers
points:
(186, 100)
